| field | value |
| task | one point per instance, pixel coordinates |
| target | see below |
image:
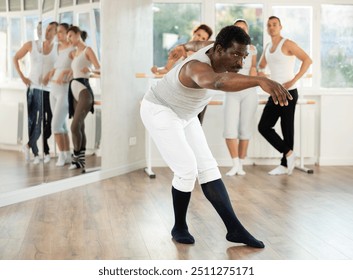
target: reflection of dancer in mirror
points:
(200, 33)
(59, 86)
(239, 112)
(42, 58)
(81, 97)
(169, 112)
(279, 55)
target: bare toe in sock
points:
(246, 238)
(182, 236)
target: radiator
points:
(11, 119)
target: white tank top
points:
(280, 65)
(48, 62)
(170, 92)
(248, 61)
(62, 62)
(36, 60)
(78, 63)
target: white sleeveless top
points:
(281, 65)
(62, 62)
(48, 62)
(36, 60)
(170, 92)
(248, 61)
(78, 63)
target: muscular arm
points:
(262, 64)
(293, 49)
(26, 48)
(196, 74)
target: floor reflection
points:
(16, 173)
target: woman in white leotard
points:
(59, 84)
(81, 97)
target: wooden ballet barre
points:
(300, 101)
(150, 76)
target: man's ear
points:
(219, 49)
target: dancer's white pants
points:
(182, 145)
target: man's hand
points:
(26, 81)
(278, 93)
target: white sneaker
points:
(26, 151)
(36, 160)
(291, 163)
(61, 159)
(47, 158)
(279, 170)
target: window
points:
(84, 24)
(336, 46)
(65, 3)
(172, 25)
(97, 17)
(226, 14)
(294, 20)
(30, 5)
(67, 17)
(48, 5)
(31, 28)
(15, 5)
(15, 43)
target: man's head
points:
(50, 32)
(231, 48)
(274, 26)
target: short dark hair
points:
(54, 23)
(65, 25)
(230, 34)
(206, 28)
(274, 17)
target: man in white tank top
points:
(42, 57)
(279, 55)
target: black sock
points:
(217, 194)
(180, 230)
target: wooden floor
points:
(16, 173)
(299, 217)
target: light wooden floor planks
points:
(299, 217)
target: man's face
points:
(50, 32)
(232, 58)
(273, 27)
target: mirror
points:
(18, 25)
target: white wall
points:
(127, 49)
(336, 134)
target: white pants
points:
(60, 107)
(239, 114)
(182, 145)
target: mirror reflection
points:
(36, 141)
